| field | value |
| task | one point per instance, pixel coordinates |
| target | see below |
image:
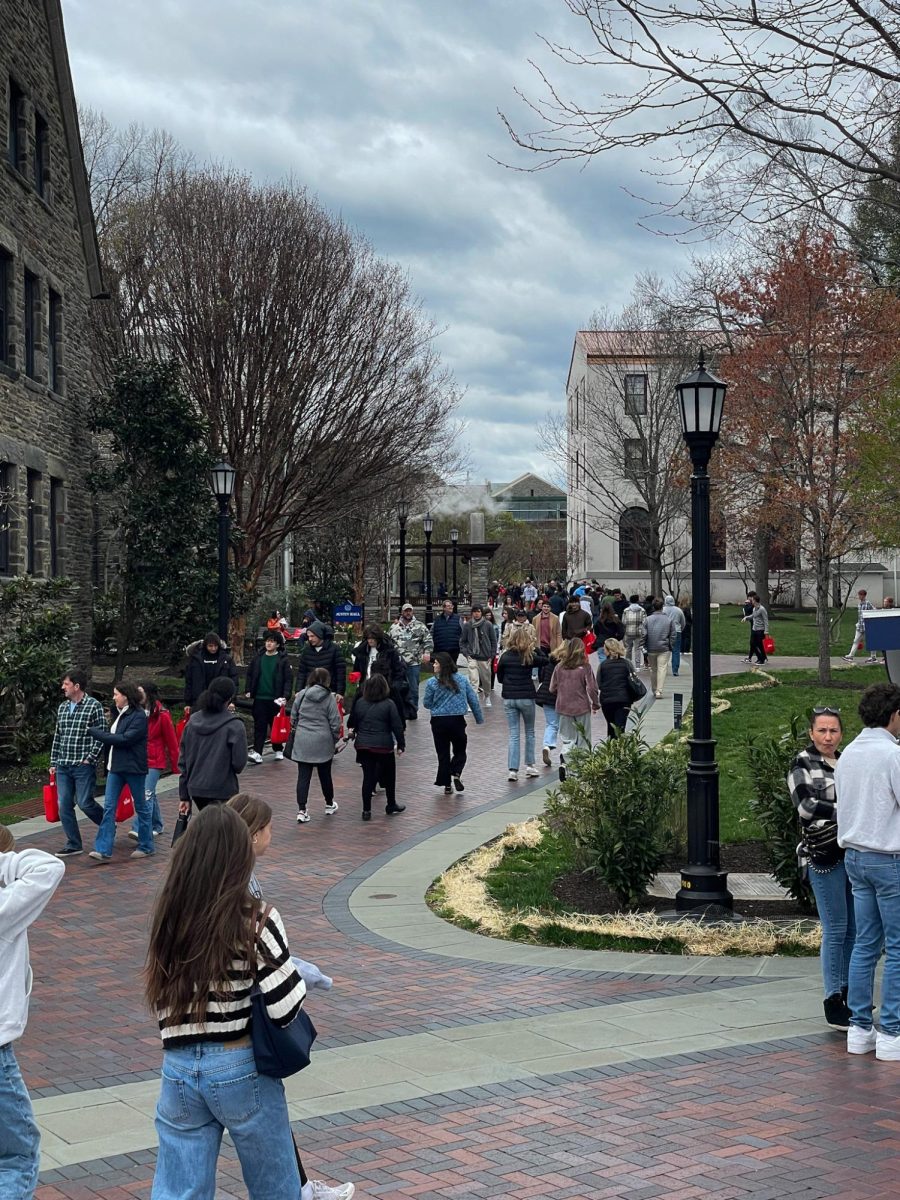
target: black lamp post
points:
(223, 488)
(454, 538)
(428, 526)
(402, 517)
(703, 882)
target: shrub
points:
(770, 759)
(615, 810)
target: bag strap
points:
(262, 915)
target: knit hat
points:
(669, 599)
(318, 628)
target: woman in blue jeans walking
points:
(515, 672)
(126, 763)
(811, 781)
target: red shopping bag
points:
(281, 727)
(51, 799)
(769, 644)
(125, 807)
(179, 729)
(590, 641)
(340, 705)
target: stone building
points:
(49, 272)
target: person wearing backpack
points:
(317, 726)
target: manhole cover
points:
(383, 896)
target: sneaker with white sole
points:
(319, 1190)
(887, 1046)
(487, 702)
(862, 1041)
(331, 809)
(513, 777)
(531, 772)
(545, 755)
(254, 756)
(133, 834)
(279, 755)
(302, 816)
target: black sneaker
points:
(458, 784)
(837, 1014)
(393, 809)
(69, 851)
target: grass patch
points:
(794, 632)
(524, 877)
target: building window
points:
(41, 154)
(14, 110)
(5, 285)
(782, 558)
(32, 294)
(33, 524)
(635, 395)
(56, 515)
(718, 546)
(635, 464)
(54, 339)
(6, 486)
(634, 540)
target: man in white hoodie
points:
(27, 881)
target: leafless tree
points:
(751, 109)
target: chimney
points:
(476, 527)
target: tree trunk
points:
(798, 575)
(762, 541)
(823, 623)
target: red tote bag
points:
(125, 806)
(281, 727)
(51, 799)
(769, 644)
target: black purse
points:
(819, 843)
(279, 1052)
(181, 825)
(637, 689)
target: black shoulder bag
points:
(279, 1052)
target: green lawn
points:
(794, 633)
(770, 711)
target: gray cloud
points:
(388, 112)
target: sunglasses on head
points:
(823, 710)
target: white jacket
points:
(27, 881)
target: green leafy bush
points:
(770, 759)
(620, 810)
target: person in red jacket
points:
(162, 751)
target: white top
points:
(27, 881)
(867, 782)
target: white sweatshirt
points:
(867, 782)
(27, 881)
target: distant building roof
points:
(526, 486)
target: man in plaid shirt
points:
(74, 756)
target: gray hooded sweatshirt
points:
(315, 716)
(213, 754)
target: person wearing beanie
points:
(320, 651)
(268, 685)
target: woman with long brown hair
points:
(575, 688)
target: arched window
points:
(718, 545)
(634, 540)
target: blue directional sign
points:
(347, 614)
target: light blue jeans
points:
(20, 1140)
(875, 879)
(106, 834)
(208, 1088)
(156, 821)
(516, 709)
(551, 725)
(834, 900)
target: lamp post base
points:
(701, 887)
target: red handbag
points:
(51, 799)
(769, 644)
(281, 727)
(590, 641)
(125, 806)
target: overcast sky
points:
(387, 109)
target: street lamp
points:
(402, 517)
(428, 526)
(223, 488)
(701, 397)
(454, 538)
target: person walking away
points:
(479, 646)
(162, 752)
(548, 631)
(268, 685)
(684, 603)
(759, 627)
(558, 602)
(575, 689)
(126, 765)
(859, 632)
(576, 622)
(207, 660)
(320, 651)
(634, 618)
(659, 638)
(449, 696)
(612, 682)
(28, 879)
(546, 701)
(811, 784)
(377, 728)
(607, 626)
(213, 750)
(676, 616)
(414, 645)
(74, 755)
(446, 631)
(376, 654)
(515, 672)
(317, 727)
(867, 785)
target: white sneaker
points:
(331, 809)
(532, 772)
(279, 755)
(302, 817)
(319, 1190)
(133, 834)
(887, 1046)
(513, 777)
(487, 702)
(254, 757)
(545, 754)
(862, 1041)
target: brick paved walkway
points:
(715, 1113)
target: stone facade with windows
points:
(49, 273)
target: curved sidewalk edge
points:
(386, 899)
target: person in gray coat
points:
(317, 726)
(679, 620)
(659, 638)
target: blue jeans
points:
(156, 821)
(20, 1140)
(412, 680)
(515, 709)
(551, 725)
(834, 900)
(676, 653)
(106, 834)
(206, 1089)
(876, 902)
(75, 784)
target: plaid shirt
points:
(72, 743)
(811, 781)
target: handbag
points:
(819, 843)
(768, 644)
(281, 727)
(125, 806)
(637, 689)
(590, 641)
(181, 825)
(51, 799)
(278, 1052)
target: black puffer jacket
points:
(325, 655)
(515, 676)
(612, 680)
(389, 664)
(202, 668)
(376, 725)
